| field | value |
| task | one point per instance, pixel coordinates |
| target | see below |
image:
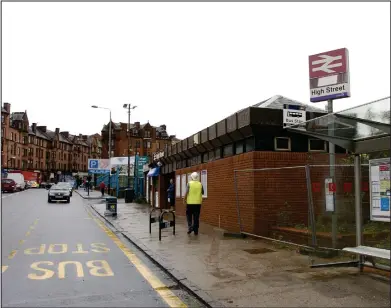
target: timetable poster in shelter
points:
(380, 189)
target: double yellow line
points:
(167, 295)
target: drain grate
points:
(257, 251)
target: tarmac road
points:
(59, 254)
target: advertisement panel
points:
(379, 177)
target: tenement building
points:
(144, 139)
(40, 153)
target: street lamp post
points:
(94, 106)
(129, 107)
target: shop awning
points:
(154, 172)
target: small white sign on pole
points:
(329, 195)
(293, 115)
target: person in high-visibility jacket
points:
(193, 201)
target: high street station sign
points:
(329, 75)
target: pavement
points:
(234, 272)
(64, 255)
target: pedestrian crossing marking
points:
(165, 293)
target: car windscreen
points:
(7, 181)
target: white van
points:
(19, 180)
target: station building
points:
(252, 138)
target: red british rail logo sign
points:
(328, 63)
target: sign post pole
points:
(329, 80)
(334, 217)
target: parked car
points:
(8, 185)
(59, 193)
(19, 180)
(66, 184)
(27, 184)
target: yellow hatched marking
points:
(167, 295)
(4, 268)
(21, 242)
(28, 233)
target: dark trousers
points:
(193, 216)
(102, 190)
(172, 202)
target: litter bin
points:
(111, 205)
(129, 195)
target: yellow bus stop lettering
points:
(99, 247)
(35, 251)
(52, 248)
(46, 272)
(99, 268)
(79, 248)
(61, 269)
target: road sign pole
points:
(334, 217)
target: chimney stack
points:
(7, 106)
(34, 127)
(57, 131)
(65, 134)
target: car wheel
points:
(68, 200)
(49, 200)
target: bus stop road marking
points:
(167, 295)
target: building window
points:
(282, 144)
(228, 150)
(316, 145)
(249, 145)
(239, 147)
(18, 151)
(147, 134)
(12, 136)
(218, 153)
(2, 119)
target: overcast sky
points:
(186, 65)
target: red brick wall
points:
(266, 197)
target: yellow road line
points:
(12, 254)
(168, 296)
(21, 242)
(28, 233)
(4, 268)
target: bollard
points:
(166, 224)
(153, 219)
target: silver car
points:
(66, 184)
(59, 193)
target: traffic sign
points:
(329, 75)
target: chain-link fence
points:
(311, 206)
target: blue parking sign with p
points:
(94, 164)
